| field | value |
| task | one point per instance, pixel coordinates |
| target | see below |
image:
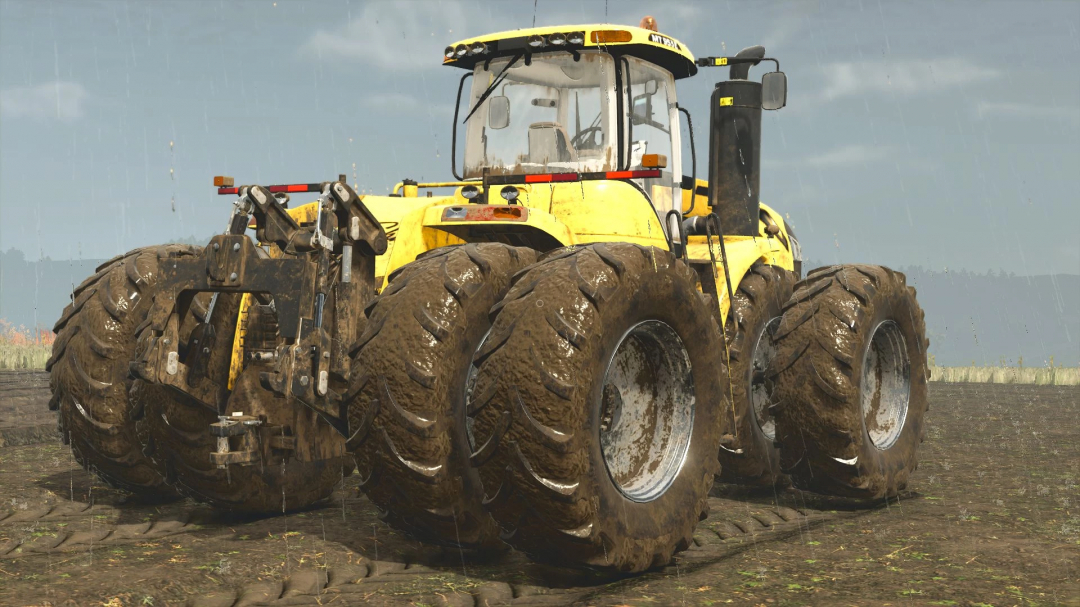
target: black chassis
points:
(311, 359)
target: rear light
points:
(223, 182)
(609, 36)
(486, 212)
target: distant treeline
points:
(982, 319)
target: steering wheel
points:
(587, 139)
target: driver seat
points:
(549, 142)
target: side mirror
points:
(773, 91)
(650, 87)
(498, 112)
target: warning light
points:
(648, 23)
(654, 161)
(223, 182)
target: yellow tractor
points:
(561, 354)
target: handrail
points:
(434, 184)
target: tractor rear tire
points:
(597, 408)
(753, 458)
(95, 341)
(413, 366)
(177, 431)
(850, 373)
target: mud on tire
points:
(176, 430)
(95, 341)
(412, 368)
(850, 372)
(753, 458)
(555, 419)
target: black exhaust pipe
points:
(735, 148)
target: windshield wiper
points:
(491, 87)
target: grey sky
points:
(942, 134)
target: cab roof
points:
(654, 47)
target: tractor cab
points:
(585, 100)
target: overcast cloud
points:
(941, 134)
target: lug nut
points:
(303, 380)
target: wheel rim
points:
(647, 411)
(760, 391)
(470, 384)
(886, 385)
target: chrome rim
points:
(760, 393)
(647, 411)
(886, 385)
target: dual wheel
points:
(573, 407)
(569, 407)
(829, 380)
(143, 438)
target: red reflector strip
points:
(567, 177)
(300, 187)
(647, 174)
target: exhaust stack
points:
(735, 147)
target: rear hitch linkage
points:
(318, 310)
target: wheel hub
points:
(647, 411)
(760, 390)
(886, 385)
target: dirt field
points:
(992, 519)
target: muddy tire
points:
(570, 373)
(95, 341)
(753, 458)
(177, 437)
(850, 372)
(413, 367)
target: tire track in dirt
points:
(71, 539)
(718, 537)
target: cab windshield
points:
(555, 115)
